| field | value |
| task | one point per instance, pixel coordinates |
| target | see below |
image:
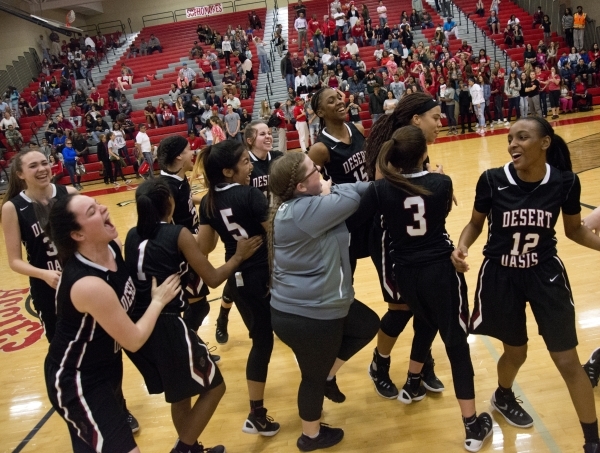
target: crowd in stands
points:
(374, 61)
(403, 66)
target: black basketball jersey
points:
(157, 257)
(185, 211)
(80, 342)
(40, 250)
(346, 162)
(521, 216)
(416, 224)
(239, 212)
(259, 177)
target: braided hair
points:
(284, 175)
(382, 130)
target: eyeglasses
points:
(314, 170)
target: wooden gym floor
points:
(371, 423)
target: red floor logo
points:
(17, 331)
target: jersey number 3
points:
(418, 216)
(235, 228)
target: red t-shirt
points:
(150, 109)
(357, 31)
(95, 96)
(580, 88)
(281, 116)
(314, 25)
(205, 66)
(542, 77)
(196, 143)
(345, 56)
(553, 86)
(75, 111)
(299, 110)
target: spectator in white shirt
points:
(143, 146)
(300, 83)
(352, 47)
(382, 13)
(8, 120)
(90, 42)
(478, 102)
(300, 24)
(188, 75)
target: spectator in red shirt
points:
(581, 96)
(206, 68)
(281, 127)
(164, 114)
(65, 125)
(542, 77)
(358, 32)
(32, 102)
(95, 95)
(150, 113)
(75, 114)
(317, 34)
(301, 126)
(497, 97)
(113, 108)
(195, 142)
(329, 30)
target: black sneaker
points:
(591, 447)
(215, 449)
(132, 422)
(407, 395)
(260, 423)
(221, 332)
(328, 437)
(511, 410)
(214, 357)
(332, 392)
(430, 380)
(592, 367)
(474, 441)
(379, 372)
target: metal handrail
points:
(112, 24)
(153, 17)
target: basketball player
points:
(259, 140)
(234, 210)
(522, 202)
(157, 248)
(24, 211)
(174, 157)
(342, 152)
(415, 204)
(84, 367)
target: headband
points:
(430, 104)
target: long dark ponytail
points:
(558, 154)
(153, 202)
(382, 130)
(402, 154)
(61, 223)
(15, 184)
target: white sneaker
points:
(499, 122)
(127, 181)
(507, 123)
(117, 185)
(492, 125)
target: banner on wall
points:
(203, 11)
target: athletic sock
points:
(224, 312)
(314, 436)
(381, 355)
(414, 380)
(256, 404)
(503, 391)
(181, 447)
(590, 432)
(472, 423)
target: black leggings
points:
(253, 302)
(317, 343)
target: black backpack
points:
(273, 120)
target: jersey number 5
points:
(235, 228)
(418, 216)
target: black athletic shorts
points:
(196, 288)
(92, 406)
(250, 291)
(437, 294)
(359, 243)
(175, 361)
(502, 293)
(379, 249)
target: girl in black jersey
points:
(174, 157)
(83, 368)
(234, 210)
(522, 202)
(23, 214)
(157, 248)
(259, 140)
(419, 110)
(415, 204)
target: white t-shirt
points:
(119, 139)
(352, 48)
(7, 122)
(144, 141)
(382, 11)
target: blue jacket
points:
(69, 155)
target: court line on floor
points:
(34, 431)
(537, 421)
(589, 206)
